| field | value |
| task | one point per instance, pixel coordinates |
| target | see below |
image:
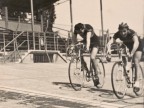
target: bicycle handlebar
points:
(79, 43)
(122, 51)
(122, 47)
(81, 46)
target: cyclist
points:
(91, 40)
(131, 40)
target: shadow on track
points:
(107, 95)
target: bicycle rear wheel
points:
(119, 83)
(140, 78)
(76, 74)
(101, 73)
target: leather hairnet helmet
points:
(123, 25)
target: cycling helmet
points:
(123, 25)
(79, 26)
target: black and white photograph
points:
(71, 53)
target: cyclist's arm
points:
(88, 40)
(135, 45)
(112, 40)
(74, 39)
(118, 41)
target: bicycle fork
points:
(130, 78)
(134, 76)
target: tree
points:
(48, 18)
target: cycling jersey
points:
(94, 40)
(128, 40)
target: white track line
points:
(79, 100)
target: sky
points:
(114, 12)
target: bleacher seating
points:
(23, 41)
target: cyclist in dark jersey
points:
(130, 38)
(91, 40)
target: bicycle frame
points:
(80, 48)
(123, 54)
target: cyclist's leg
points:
(137, 58)
(95, 65)
(93, 56)
(83, 63)
(126, 63)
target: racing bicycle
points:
(77, 73)
(122, 79)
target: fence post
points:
(6, 17)
(45, 42)
(14, 47)
(57, 42)
(108, 38)
(4, 47)
(28, 43)
(39, 40)
(33, 40)
(54, 42)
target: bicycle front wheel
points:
(139, 77)
(76, 74)
(118, 80)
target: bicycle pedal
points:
(136, 89)
(129, 85)
(88, 79)
(96, 82)
(128, 82)
(88, 74)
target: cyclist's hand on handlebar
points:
(130, 56)
(108, 51)
(72, 46)
(108, 56)
(119, 41)
(87, 50)
(70, 49)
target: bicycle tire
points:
(101, 73)
(139, 75)
(76, 76)
(118, 76)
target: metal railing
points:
(13, 52)
(25, 40)
(10, 41)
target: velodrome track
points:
(51, 80)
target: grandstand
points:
(23, 35)
(20, 36)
